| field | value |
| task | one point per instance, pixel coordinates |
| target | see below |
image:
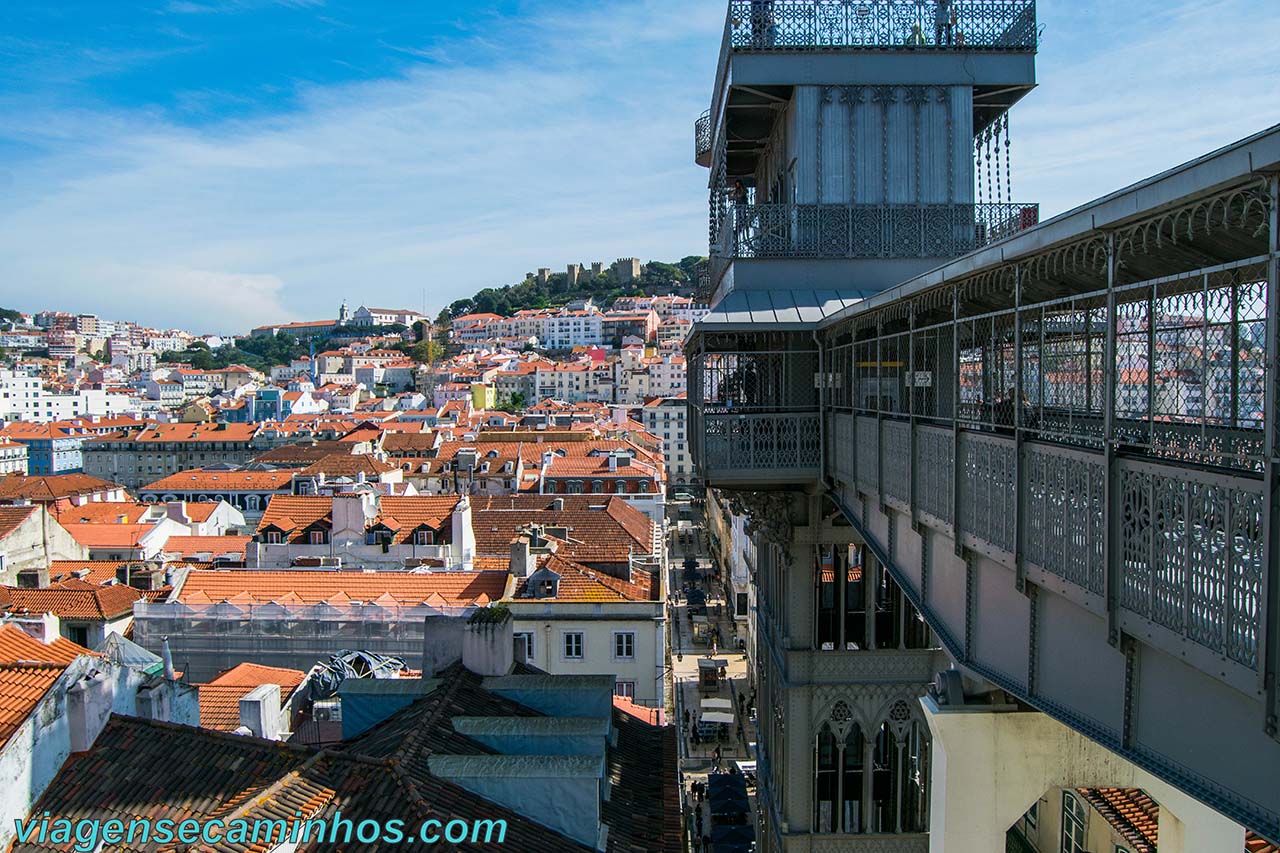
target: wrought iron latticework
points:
(1008, 25)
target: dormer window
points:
(273, 537)
(547, 589)
(424, 537)
(318, 537)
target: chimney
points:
(619, 417)
(488, 647)
(177, 510)
(260, 711)
(613, 463)
(166, 655)
(89, 703)
(522, 562)
(464, 537)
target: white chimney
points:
(613, 463)
(522, 562)
(464, 537)
(260, 711)
(89, 703)
(166, 655)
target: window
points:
(318, 537)
(624, 645)
(423, 537)
(273, 537)
(573, 645)
(523, 641)
(1032, 817)
(1074, 824)
(625, 688)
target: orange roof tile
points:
(257, 586)
(12, 516)
(17, 646)
(220, 698)
(190, 546)
(97, 535)
(71, 600)
(22, 686)
(52, 487)
(199, 480)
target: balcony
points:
(816, 25)
(702, 140)
(868, 230)
(756, 417)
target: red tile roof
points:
(200, 480)
(52, 487)
(99, 535)
(220, 698)
(28, 668)
(76, 600)
(12, 516)
(218, 546)
(255, 586)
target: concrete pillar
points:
(990, 764)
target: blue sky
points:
(217, 164)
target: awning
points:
(712, 663)
(747, 310)
(717, 717)
(717, 705)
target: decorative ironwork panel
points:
(935, 471)
(1192, 556)
(788, 25)
(868, 438)
(702, 137)
(861, 230)
(845, 450)
(760, 442)
(896, 455)
(1065, 514)
(989, 489)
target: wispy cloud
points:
(562, 136)
(218, 7)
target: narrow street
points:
(710, 687)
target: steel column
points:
(1019, 570)
(1270, 639)
(1111, 485)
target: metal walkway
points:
(1066, 447)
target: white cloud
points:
(536, 142)
(562, 146)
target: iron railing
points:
(758, 25)
(867, 230)
(790, 443)
(1190, 542)
(702, 139)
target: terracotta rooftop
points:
(256, 586)
(218, 546)
(51, 487)
(12, 516)
(220, 698)
(28, 668)
(602, 528)
(580, 584)
(75, 600)
(101, 535)
(348, 465)
(200, 480)
(100, 512)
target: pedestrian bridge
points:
(1065, 448)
